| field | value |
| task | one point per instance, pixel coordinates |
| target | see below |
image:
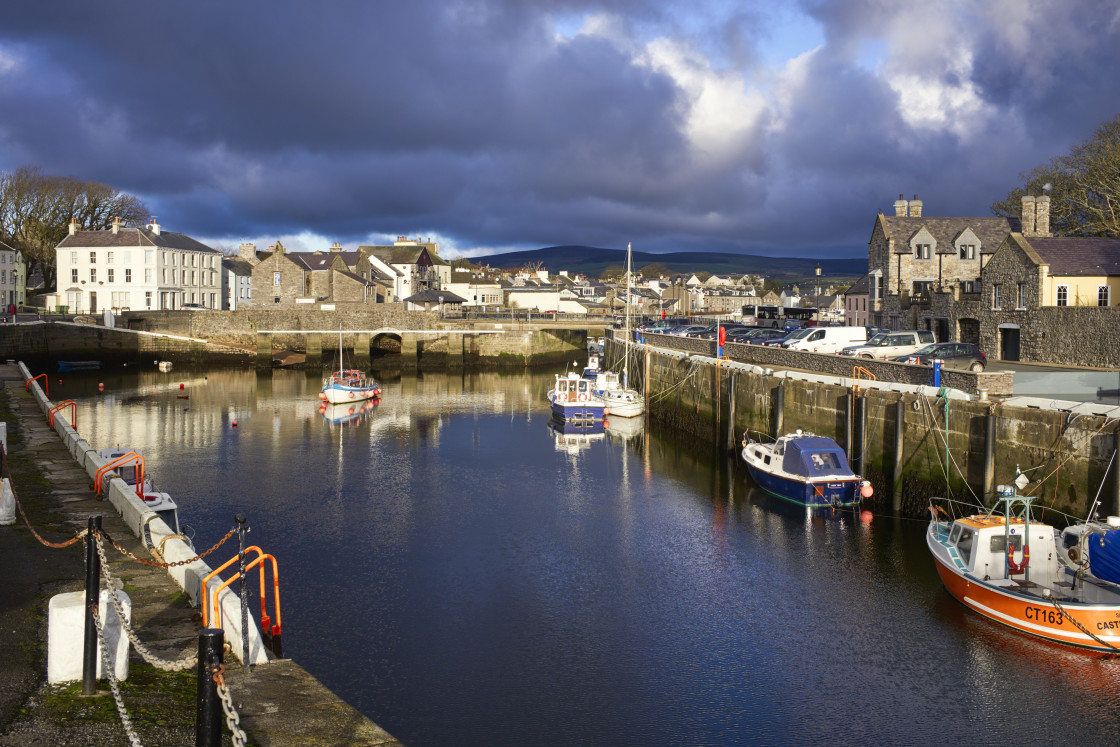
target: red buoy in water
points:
(100, 387)
(182, 387)
(235, 424)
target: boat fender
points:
(350, 395)
(865, 489)
(1074, 555)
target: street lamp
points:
(441, 307)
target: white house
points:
(237, 283)
(136, 268)
(476, 290)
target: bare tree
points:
(1084, 187)
(36, 210)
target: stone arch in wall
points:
(385, 343)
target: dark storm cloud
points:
(471, 120)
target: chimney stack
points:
(247, 252)
(153, 226)
(1029, 216)
(336, 247)
(915, 207)
(116, 225)
(900, 207)
(1042, 215)
(73, 226)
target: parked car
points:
(192, 307)
(885, 346)
(756, 335)
(790, 336)
(712, 331)
(826, 339)
(659, 325)
(963, 355)
(686, 329)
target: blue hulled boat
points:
(572, 399)
(805, 468)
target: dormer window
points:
(922, 251)
(968, 251)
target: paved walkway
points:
(279, 703)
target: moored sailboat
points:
(347, 385)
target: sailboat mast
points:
(626, 353)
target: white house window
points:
(147, 299)
(923, 251)
(93, 258)
(128, 258)
(1062, 296)
(109, 257)
(147, 274)
(997, 293)
(110, 274)
(74, 275)
(1102, 295)
(73, 258)
(149, 258)
(128, 275)
(968, 251)
(93, 275)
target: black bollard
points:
(208, 707)
(93, 587)
(242, 530)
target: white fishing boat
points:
(347, 384)
(985, 561)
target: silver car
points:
(890, 345)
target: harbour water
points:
(463, 575)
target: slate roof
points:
(130, 237)
(990, 231)
(237, 266)
(311, 260)
(1079, 256)
(861, 287)
(431, 295)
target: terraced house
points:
(13, 278)
(134, 269)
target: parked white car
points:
(890, 345)
(828, 339)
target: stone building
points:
(924, 271)
(13, 278)
(289, 278)
(855, 303)
(1052, 300)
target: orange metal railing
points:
(269, 630)
(46, 384)
(859, 372)
(131, 456)
(73, 413)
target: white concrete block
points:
(7, 503)
(66, 635)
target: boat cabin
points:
(978, 545)
(573, 388)
(811, 456)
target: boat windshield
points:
(824, 462)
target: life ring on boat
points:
(582, 397)
(1012, 566)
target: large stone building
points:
(135, 268)
(336, 277)
(924, 271)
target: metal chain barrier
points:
(233, 719)
(158, 564)
(15, 496)
(166, 665)
(1081, 627)
(110, 675)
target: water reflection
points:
(466, 573)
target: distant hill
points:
(592, 261)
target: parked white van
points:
(890, 345)
(829, 339)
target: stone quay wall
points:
(996, 384)
(1067, 457)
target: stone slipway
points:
(279, 702)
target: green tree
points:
(36, 210)
(1084, 187)
(653, 271)
(612, 272)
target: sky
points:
(775, 128)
